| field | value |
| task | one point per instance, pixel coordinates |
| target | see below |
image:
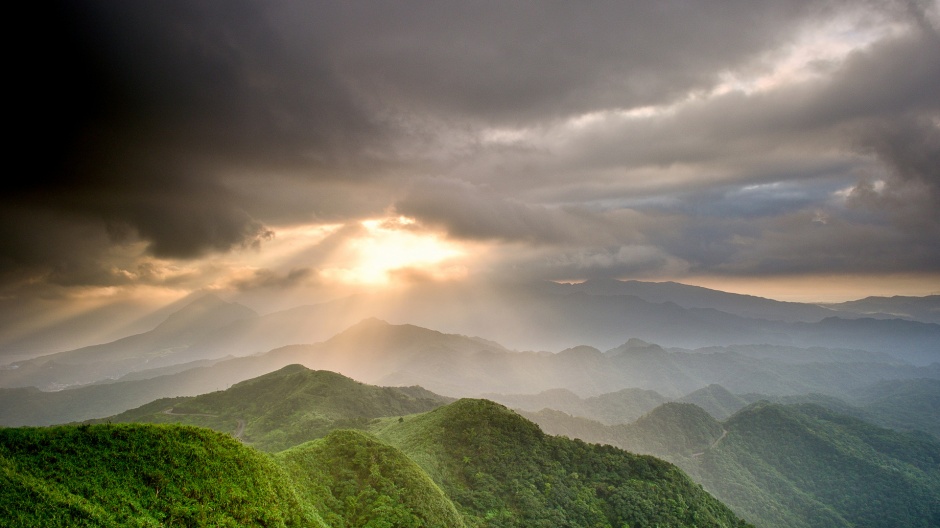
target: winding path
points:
(239, 429)
(171, 413)
(724, 433)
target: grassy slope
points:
(502, 470)
(289, 406)
(141, 475)
(359, 481)
(498, 468)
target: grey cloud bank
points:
(610, 139)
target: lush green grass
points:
(141, 475)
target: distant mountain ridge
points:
(688, 296)
(537, 316)
(166, 344)
(377, 352)
(924, 309)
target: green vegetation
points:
(360, 481)
(288, 407)
(501, 470)
(787, 465)
(902, 404)
(716, 400)
(141, 475)
(472, 463)
(623, 406)
(808, 466)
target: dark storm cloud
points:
(910, 191)
(523, 61)
(196, 126)
(468, 212)
(784, 133)
(136, 113)
(765, 171)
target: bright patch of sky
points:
(387, 246)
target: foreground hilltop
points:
(468, 463)
(142, 475)
(503, 470)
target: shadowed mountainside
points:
(785, 465)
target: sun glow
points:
(388, 248)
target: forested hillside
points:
(503, 471)
(142, 475)
(287, 407)
(798, 465)
(471, 463)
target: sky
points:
(286, 152)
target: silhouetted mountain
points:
(622, 406)
(716, 401)
(796, 355)
(689, 296)
(166, 344)
(454, 365)
(541, 316)
(923, 309)
(910, 341)
(550, 316)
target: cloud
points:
(909, 190)
(469, 212)
(270, 279)
(532, 61)
(158, 106)
(578, 140)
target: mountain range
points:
(378, 352)
(412, 455)
(538, 316)
(466, 463)
(777, 409)
(798, 465)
